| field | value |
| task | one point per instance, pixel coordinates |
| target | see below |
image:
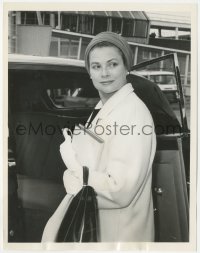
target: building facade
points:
(67, 34)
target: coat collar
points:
(113, 101)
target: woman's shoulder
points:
(132, 108)
(134, 103)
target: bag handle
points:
(85, 175)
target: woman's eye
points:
(113, 64)
(96, 66)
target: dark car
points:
(46, 94)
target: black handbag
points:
(80, 223)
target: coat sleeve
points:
(128, 166)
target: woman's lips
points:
(107, 82)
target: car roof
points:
(19, 61)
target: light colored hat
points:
(114, 39)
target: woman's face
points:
(107, 69)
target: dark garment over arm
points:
(164, 118)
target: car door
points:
(170, 186)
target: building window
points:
(69, 22)
(140, 29)
(73, 52)
(69, 48)
(184, 35)
(100, 24)
(45, 18)
(116, 25)
(85, 42)
(85, 24)
(148, 55)
(54, 47)
(64, 47)
(145, 54)
(29, 18)
(169, 34)
(128, 28)
(56, 19)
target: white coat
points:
(122, 179)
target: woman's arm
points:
(129, 162)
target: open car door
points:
(171, 169)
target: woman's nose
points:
(104, 72)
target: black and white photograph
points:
(100, 117)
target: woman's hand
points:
(72, 183)
(68, 153)
(69, 157)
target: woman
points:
(122, 178)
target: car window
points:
(72, 91)
(33, 90)
(71, 97)
(163, 79)
(174, 89)
(169, 79)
